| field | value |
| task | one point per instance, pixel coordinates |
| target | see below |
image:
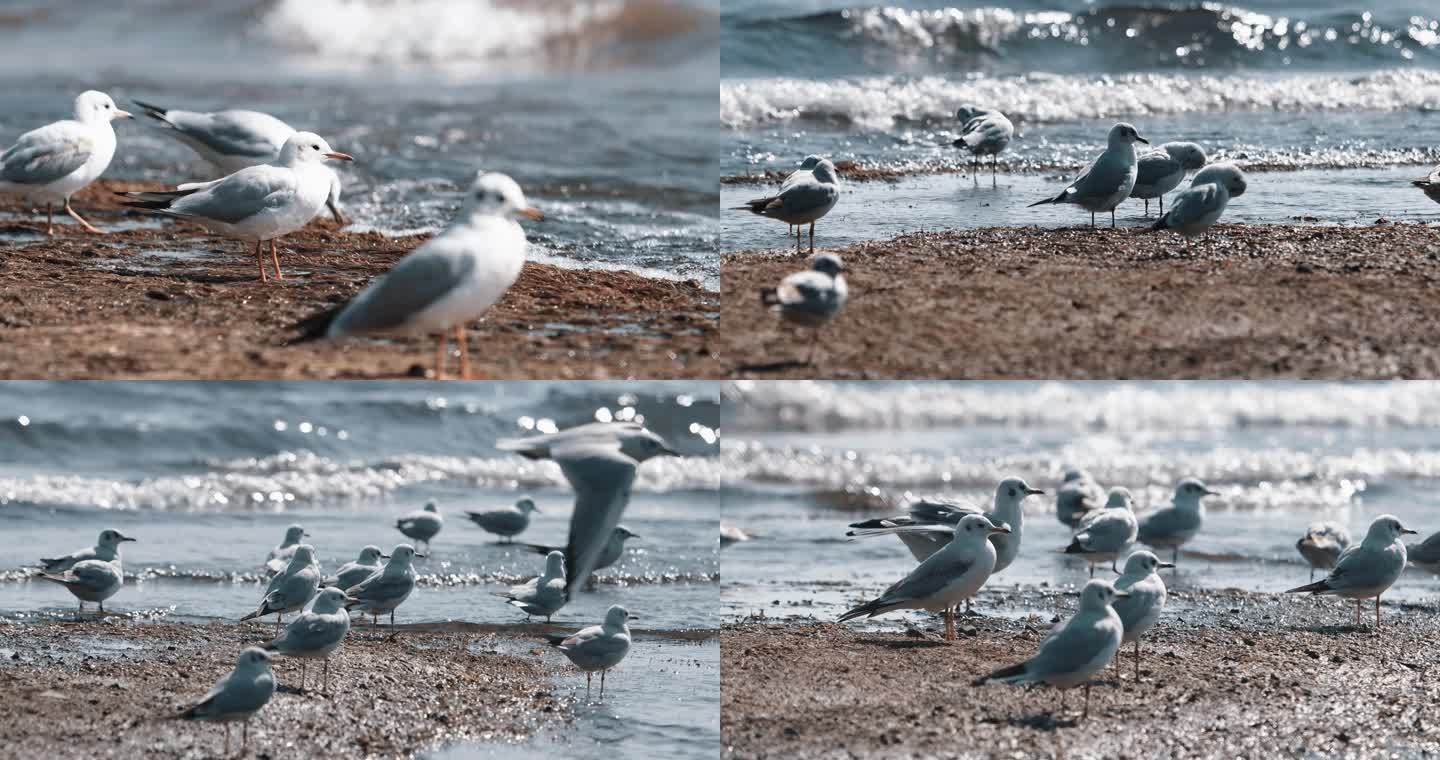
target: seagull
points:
(1140, 611)
(1424, 555)
(107, 548)
(1171, 527)
(542, 595)
(292, 588)
(237, 696)
(731, 535)
(1196, 210)
(810, 298)
(234, 139)
(1075, 652)
(1324, 543)
(1368, 569)
(1104, 535)
(599, 460)
(259, 203)
(91, 580)
(984, 132)
(280, 556)
(599, 647)
(422, 524)
(450, 280)
(954, 573)
(1078, 494)
(1108, 180)
(351, 573)
(612, 552)
(1430, 185)
(1162, 169)
(506, 522)
(803, 202)
(805, 172)
(54, 162)
(387, 589)
(316, 632)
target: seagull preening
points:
(599, 647)
(1077, 651)
(810, 298)
(257, 203)
(506, 522)
(1173, 526)
(949, 576)
(387, 589)
(1367, 569)
(237, 696)
(422, 524)
(52, 163)
(234, 139)
(452, 279)
(803, 201)
(544, 594)
(1323, 543)
(805, 172)
(1162, 169)
(1196, 210)
(1077, 495)
(983, 132)
(599, 460)
(1109, 179)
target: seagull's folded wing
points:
(1194, 204)
(421, 279)
(233, 133)
(804, 197)
(47, 154)
(240, 196)
(1070, 648)
(928, 578)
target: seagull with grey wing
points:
(1367, 569)
(803, 202)
(543, 594)
(91, 580)
(422, 524)
(614, 549)
(106, 548)
(316, 632)
(387, 589)
(1077, 495)
(1108, 180)
(1324, 542)
(50, 164)
(599, 647)
(983, 132)
(234, 139)
(599, 460)
(949, 576)
(507, 522)
(1140, 611)
(279, 557)
(1196, 210)
(810, 298)
(1429, 184)
(1162, 169)
(1079, 650)
(237, 696)
(805, 172)
(1424, 555)
(364, 566)
(1174, 526)
(292, 588)
(1105, 534)
(257, 203)
(450, 280)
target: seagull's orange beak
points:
(533, 214)
(338, 156)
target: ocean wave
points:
(824, 407)
(880, 103)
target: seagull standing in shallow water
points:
(54, 162)
(802, 202)
(1108, 180)
(1367, 570)
(983, 132)
(599, 647)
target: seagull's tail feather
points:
(154, 200)
(315, 326)
(1041, 203)
(60, 579)
(534, 447)
(556, 639)
(262, 612)
(756, 206)
(879, 522)
(1011, 674)
(868, 609)
(1075, 547)
(769, 297)
(154, 111)
(193, 712)
(1317, 587)
(539, 548)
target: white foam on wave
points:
(878, 103)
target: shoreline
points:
(176, 302)
(1291, 672)
(1025, 302)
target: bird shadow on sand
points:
(903, 643)
(777, 366)
(1333, 630)
(1046, 721)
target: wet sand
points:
(1232, 675)
(1256, 301)
(175, 302)
(105, 689)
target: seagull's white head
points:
(309, 148)
(330, 599)
(1143, 563)
(974, 529)
(616, 617)
(1190, 155)
(111, 539)
(1073, 475)
(825, 171)
(828, 263)
(1190, 492)
(555, 565)
(253, 658)
(1223, 173)
(622, 533)
(1385, 530)
(304, 555)
(1098, 594)
(430, 507)
(370, 555)
(969, 111)
(293, 534)
(95, 107)
(495, 194)
(527, 505)
(401, 556)
(811, 161)
(1120, 497)
(641, 444)
(1125, 134)
(1013, 491)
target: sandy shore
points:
(103, 689)
(1256, 301)
(105, 307)
(1233, 675)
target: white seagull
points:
(599, 647)
(544, 594)
(506, 522)
(422, 524)
(451, 279)
(279, 557)
(292, 588)
(1173, 526)
(364, 566)
(387, 589)
(1141, 610)
(1368, 569)
(983, 132)
(1162, 169)
(1104, 535)
(237, 696)
(614, 549)
(316, 632)
(1109, 179)
(234, 139)
(810, 298)
(107, 548)
(803, 202)
(1430, 184)
(257, 203)
(1324, 542)
(1077, 495)
(1196, 210)
(91, 580)
(52, 163)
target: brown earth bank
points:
(1248, 676)
(1254, 301)
(176, 302)
(106, 689)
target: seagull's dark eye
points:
(107, 105)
